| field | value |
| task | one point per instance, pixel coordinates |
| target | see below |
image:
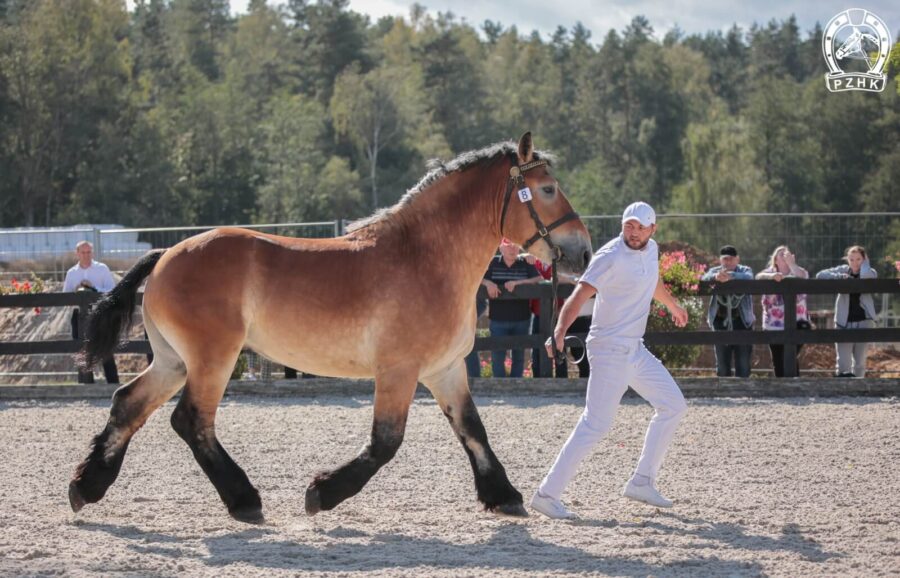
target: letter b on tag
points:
(524, 195)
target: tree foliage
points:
(180, 112)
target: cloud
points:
(692, 16)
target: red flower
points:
(662, 312)
(37, 310)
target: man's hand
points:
(510, 285)
(560, 337)
(529, 258)
(679, 315)
(86, 283)
(777, 276)
(723, 276)
(492, 290)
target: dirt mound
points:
(886, 360)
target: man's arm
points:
(742, 272)
(710, 274)
(492, 290)
(511, 285)
(866, 271)
(663, 296)
(109, 281)
(69, 284)
(569, 312)
(832, 273)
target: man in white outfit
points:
(624, 276)
(90, 275)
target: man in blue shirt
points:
(731, 313)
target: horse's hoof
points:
(516, 510)
(248, 515)
(76, 500)
(313, 502)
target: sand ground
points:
(794, 487)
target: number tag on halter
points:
(524, 195)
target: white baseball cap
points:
(640, 212)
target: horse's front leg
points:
(451, 390)
(394, 391)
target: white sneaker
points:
(647, 494)
(551, 507)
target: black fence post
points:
(546, 329)
(790, 332)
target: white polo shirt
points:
(98, 274)
(625, 281)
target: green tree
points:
(329, 38)
(375, 111)
(66, 64)
(449, 56)
(290, 157)
(259, 63)
(722, 175)
(198, 29)
(781, 135)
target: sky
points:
(692, 16)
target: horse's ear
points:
(526, 149)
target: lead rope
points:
(560, 357)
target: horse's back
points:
(337, 306)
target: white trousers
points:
(614, 366)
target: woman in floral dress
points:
(782, 264)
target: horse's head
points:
(850, 45)
(538, 216)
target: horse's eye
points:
(550, 189)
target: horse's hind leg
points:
(394, 391)
(451, 390)
(194, 421)
(132, 405)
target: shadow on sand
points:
(511, 547)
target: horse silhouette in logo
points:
(853, 46)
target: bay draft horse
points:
(394, 298)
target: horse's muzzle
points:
(576, 254)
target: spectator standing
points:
(852, 310)
(782, 264)
(90, 275)
(730, 313)
(508, 317)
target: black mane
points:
(438, 170)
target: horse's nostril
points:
(587, 259)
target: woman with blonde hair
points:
(852, 310)
(782, 264)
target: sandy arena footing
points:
(786, 487)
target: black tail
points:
(111, 315)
